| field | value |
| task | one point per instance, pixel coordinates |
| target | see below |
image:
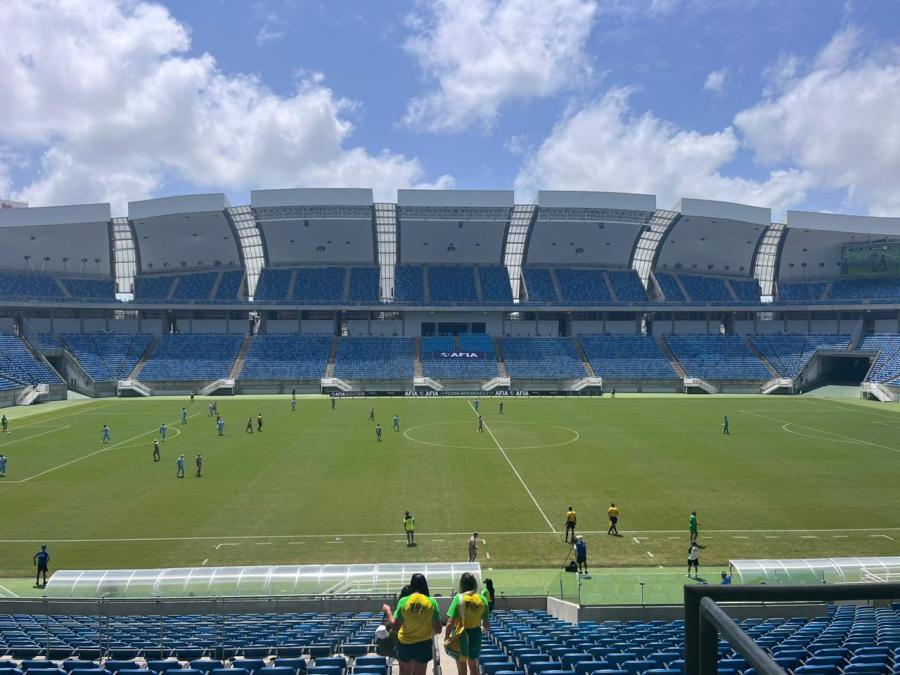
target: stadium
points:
(521, 358)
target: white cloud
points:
(605, 146)
(715, 81)
(836, 119)
(118, 108)
(480, 54)
(267, 35)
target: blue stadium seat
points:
(19, 367)
(887, 363)
(669, 286)
(583, 286)
(375, 358)
(435, 366)
(409, 285)
(539, 285)
(495, 285)
(192, 356)
(627, 286)
(801, 292)
(102, 290)
(631, 357)
(319, 285)
(717, 357)
(287, 357)
(789, 353)
(542, 358)
(364, 285)
(703, 289)
(29, 286)
(107, 356)
(452, 285)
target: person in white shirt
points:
(694, 559)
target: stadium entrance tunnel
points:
(842, 369)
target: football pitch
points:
(797, 477)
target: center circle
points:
(496, 426)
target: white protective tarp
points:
(816, 570)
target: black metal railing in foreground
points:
(704, 619)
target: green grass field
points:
(797, 477)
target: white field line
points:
(6, 590)
(824, 431)
(245, 537)
(515, 471)
(90, 454)
(28, 438)
(42, 420)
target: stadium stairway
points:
(65, 291)
(669, 355)
(501, 364)
(687, 296)
(291, 284)
(731, 291)
(345, 296)
(418, 362)
(479, 294)
(173, 288)
(556, 287)
(426, 286)
(238, 365)
(827, 290)
(752, 347)
(332, 354)
(584, 359)
(139, 366)
(612, 288)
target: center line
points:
(515, 471)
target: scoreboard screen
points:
(873, 258)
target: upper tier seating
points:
(18, 364)
(627, 285)
(871, 288)
(107, 356)
(789, 353)
(29, 287)
(45, 342)
(747, 290)
(287, 357)
(583, 286)
(887, 365)
(452, 285)
(192, 356)
(194, 287)
(273, 285)
(374, 358)
(705, 289)
(230, 287)
(539, 285)
(364, 284)
(319, 285)
(717, 357)
(669, 287)
(495, 288)
(805, 292)
(154, 287)
(90, 289)
(409, 285)
(634, 357)
(542, 358)
(459, 368)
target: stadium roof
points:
(812, 243)
(453, 226)
(713, 237)
(314, 226)
(56, 239)
(183, 233)
(589, 228)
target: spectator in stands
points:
(415, 622)
(571, 519)
(473, 547)
(473, 614)
(409, 526)
(488, 593)
(693, 525)
(694, 559)
(726, 579)
(2, 466)
(613, 512)
(179, 467)
(42, 562)
(581, 554)
(106, 433)
(249, 428)
(199, 463)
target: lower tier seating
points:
(374, 358)
(542, 358)
(192, 356)
(633, 357)
(717, 357)
(887, 365)
(484, 367)
(287, 357)
(790, 353)
(18, 365)
(107, 356)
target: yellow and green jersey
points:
(418, 613)
(475, 608)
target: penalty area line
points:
(515, 471)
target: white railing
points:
(212, 387)
(427, 382)
(585, 382)
(335, 383)
(495, 382)
(879, 391)
(777, 383)
(135, 386)
(31, 394)
(697, 383)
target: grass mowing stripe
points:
(822, 431)
(515, 471)
(28, 438)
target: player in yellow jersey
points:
(415, 622)
(571, 519)
(613, 512)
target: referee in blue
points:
(42, 562)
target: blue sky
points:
(788, 104)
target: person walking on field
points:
(613, 512)
(156, 451)
(693, 525)
(415, 622)
(470, 609)
(473, 547)
(581, 554)
(199, 463)
(571, 519)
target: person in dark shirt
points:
(42, 562)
